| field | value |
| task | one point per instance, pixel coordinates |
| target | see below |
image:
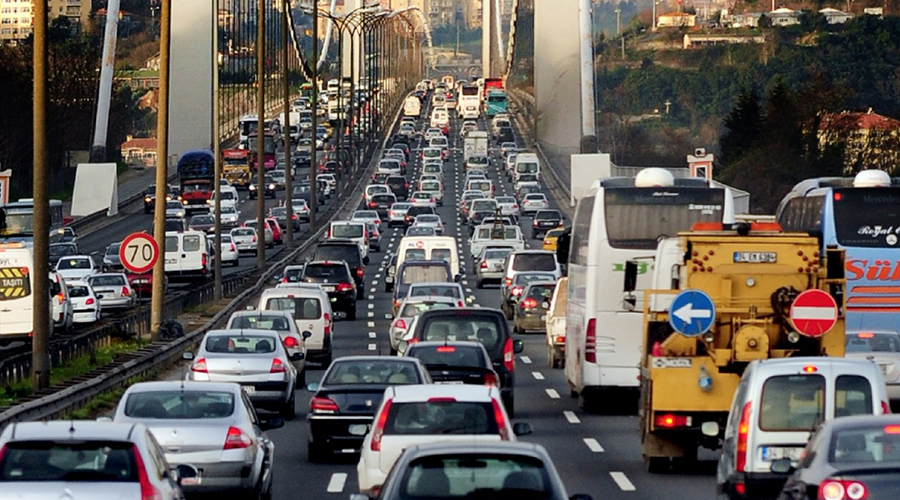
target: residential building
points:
(442, 13)
(868, 140)
(139, 150)
(16, 16)
(784, 17)
(697, 40)
(676, 20)
(835, 16)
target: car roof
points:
(427, 298)
(260, 312)
(424, 392)
(481, 448)
(857, 421)
(165, 385)
(71, 429)
(242, 331)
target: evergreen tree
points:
(743, 127)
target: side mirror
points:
(522, 429)
(710, 429)
(366, 260)
(186, 475)
(187, 356)
(518, 346)
(782, 466)
(297, 356)
(272, 423)
(402, 346)
(306, 334)
(313, 387)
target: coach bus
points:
(17, 220)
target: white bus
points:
(617, 220)
(248, 124)
(469, 102)
(412, 106)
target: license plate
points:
(328, 288)
(770, 453)
(755, 257)
(171, 261)
(248, 389)
(450, 382)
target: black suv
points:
(545, 220)
(269, 187)
(336, 280)
(487, 326)
(150, 198)
(399, 186)
(349, 252)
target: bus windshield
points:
(16, 222)
(867, 217)
(638, 218)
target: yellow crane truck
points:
(693, 358)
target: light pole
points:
(618, 21)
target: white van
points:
(188, 254)
(312, 312)
(777, 405)
(229, 197)
(526, 163)
(429, 248)
(351, 230)
(16, 284)
(440, 118)
(412, 106)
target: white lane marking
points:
(622, 480)
(371, 297)
(468, 290)
(525, 359)
(371, 306)
(372, 347)
(375, 283)
(372, 335)
(537, 375)
(552, 393)
(371, 324)
(593, 445)
(373, 289)
(336, 484)
(388, 316)
(371, 314)
(571, 417)
(378, 276)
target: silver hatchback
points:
(490, 265)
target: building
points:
(139, 151)
(696, 40)
(139, 79)
(441, 13)
(868, 140)
(784, 17)
(676, 20)
(835, 16)
(746, 20)
(16, 16)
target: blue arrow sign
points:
(692, 313)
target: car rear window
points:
(346, 230)
(792, 403)
(874, 444)
(180, 404)
(69, 461)
(873, 342)
(328, 272)
(107, 281)
(534, 262)
(414, 309)
(852, 396)
(396, 181)
(441, 254)
(541, 292)
(375, 372)
(240, 344)
(457, 328)
(469, 476)
(449, 355)
(261, 322)
(441, 417)
(414, 211)
(191, 243)
(420, 273)
(435, 290)
(171, 244)
(547, 214)
(300, 307)
(78, 291)
(346, 253)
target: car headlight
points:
(271, 186)
(184, 202)
(252, 187)
(147, 199)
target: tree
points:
(743, 127)
(764, 21)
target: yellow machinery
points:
(753, 273)
(236, 167)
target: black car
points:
(505, 134)
(150, 197)
(399, 186)
(847, 458)
(268, 183)
(417, 210)
(488, 326)
(280, 216)
(59, 250)
(345, 402)
(455, 362)
(382, 203)
(337, 281)
(545, 220)
(349, 252)
(111, 261)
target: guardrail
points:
(159, 355)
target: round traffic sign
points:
(138, 252)
(420, 244)
(692, 313)
(814, 312)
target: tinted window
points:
(72, 461)
(484, 330)
(865, 217)
(449, 355)
(346, 253)
(372, 372)
(548, 214)
(873, 342)
(852, 396)
(792, 403)
(639, 217)
(324, 272)
(434, 290)
(74, 264)
(470, 476)
(300, 307)
(180, 404)
(534, 262)
(442, 418)
(246, 344)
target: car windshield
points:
(262, 322)
(441, 418)
(180, 405)
(74, 264)
(240, 344)
(371, 372)
(873, 342)
(414, 309)
(449, 355)
(475, 476)
(69, 461)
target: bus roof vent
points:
(872, 178)
(654, 177)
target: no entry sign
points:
(814, 312)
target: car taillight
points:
(327, 324)
(509, 361)
(501, 420)
(400, 323)
(203, 260)
(836, 489)
(125, 292)
(321, 404)
(669, 421)
(148, 491)
(199, 366)
(372, 204)
(508, 281)
(378, 431)
(516, 290)
(233, 249)
(254, 238)
(236, 439)
(60, 297)
(291, 342)
(277, 366)
(344, 287)
(529, 303)
(89, 301)
(360, 271)
(740, 458)
(885, 408)
(590, 341)
(491, 379)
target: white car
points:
(508, 205)
(301, 209)
(432, 221)
(60, 305)
(431, 133)
(174, 209)
(534, 202)
(244, 238)
(229, 252)
(76, 267)
(389, 166)
(367, 216)
(330, 179)
(882, 347)
(419, 414)
(85, 304)
(373, 189)
(422, 199)
(229, 215)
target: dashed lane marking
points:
(372, 335)
(371, 297)
(336, 484)
(552, 393)
(571, 417)
(525, 359)
(537, 375)
(371, 306)
(388, 316)
(371, 314)
(622, 480)
(593, 445)
(371, 324)
(372, 347)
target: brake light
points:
(491, 379)
(516, 290)
(446, 348)
(669, 421)
(327, 324)
(740, 458)
(233, 249)
(508, 281)
(378, 431)
(236, 439)
(372, 204)
(529, 303)
(810, 369)
(89, 301)
(344, 287)
(203, 260)
(509, 361)
(590, 341)
(148, 491)
(277, 366)
(254, 238)
(836, 489)
(199, 366)
(401, 325)
(125, 292)
(291, 342)
(322, 405)
(501, 420)
(360, 271)
(885, 408)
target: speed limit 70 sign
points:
(139, 252)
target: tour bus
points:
(247, 125)
(862, 216)
(621, 219)
(469, 102)
(17, 220)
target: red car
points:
(142, 284)
(276, 230)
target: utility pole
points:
(260, 134)
(158, 298)
(217, 153)
(287, 29)
(313, 154)
(40, 295)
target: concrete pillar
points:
(486, 38)
(557, 76)
(190, 87)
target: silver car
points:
(430, 220)
(397, 214)
(489, 266)
(412, 307)
(244, 239)
(883, 348)
(229, 215)
(508, 205)
(77, 459)
(283, 323)
(256, 359)
(211, 426)
(113, 290)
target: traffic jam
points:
(463, 331)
